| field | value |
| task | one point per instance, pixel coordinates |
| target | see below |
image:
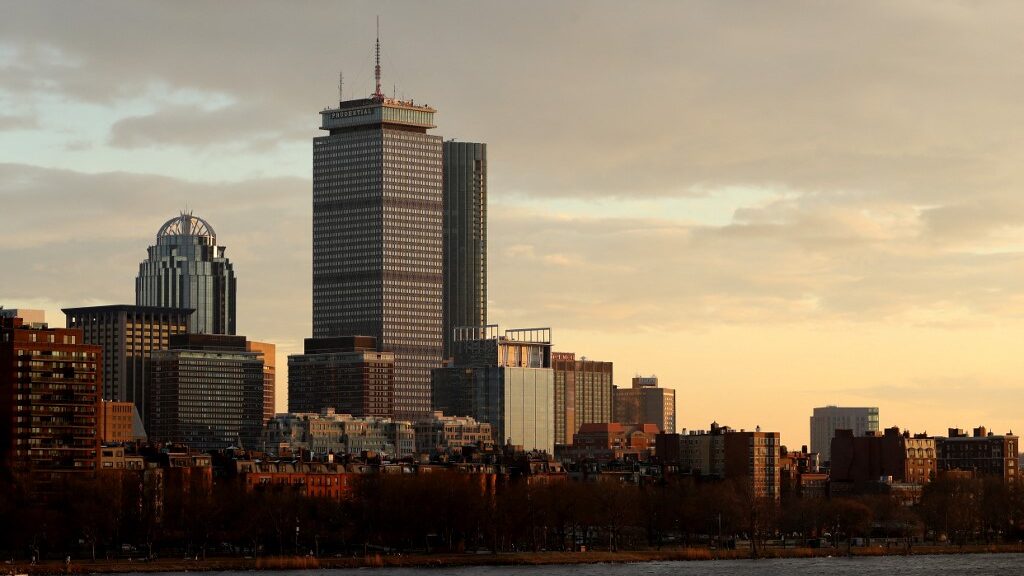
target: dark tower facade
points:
(377, 229)
(187, 269)
(465, 237)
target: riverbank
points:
(505, 559)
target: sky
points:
(770, 206)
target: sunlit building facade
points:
(377, 236)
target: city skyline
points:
(800, 227)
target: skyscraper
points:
(187, 269)
(377, 218)
(465, 237)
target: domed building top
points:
(187, 225)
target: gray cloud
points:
(904, 99)
(192, 126)
(17, 122)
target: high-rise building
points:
(465, 237)
(346, 373)
(503, 380)
(49, 395)
(645, 403)
(128, 335)
(186, 268)
(269, 352)
(583, 394)
(206, 392)
(754, 457)
(377, 230)
(826, 420)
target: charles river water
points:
(967, 564)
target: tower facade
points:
(128, 336)
(377, 229)
(186, 268)
(465, 237)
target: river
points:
(965, 564)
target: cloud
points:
(17, 122)
(246, 126)
(811, 97)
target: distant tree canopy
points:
(119, 515)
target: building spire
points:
(377, 95)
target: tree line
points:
(120, 516)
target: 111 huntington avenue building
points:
(187, 269)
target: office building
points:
(645, 403)
(465, 237)
(128, 335)
(186, 268)
(583, 394)
(49, 395)
(503, 380)
(982, 454)
(206, 392)
(269, 352)
(346, 373)
(828, 419)
(377, 236)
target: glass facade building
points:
(465, 237)
(377, 231)
(505, 381)
(187, 269)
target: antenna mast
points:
(341, 84)
(376, 70)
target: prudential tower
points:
(377, 235)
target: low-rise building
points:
(330, 433)
(440, 434)
(982, 453)
(609, 441)
(872, 461)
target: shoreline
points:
(449, 560)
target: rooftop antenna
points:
(341, 84)
(376, 70)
